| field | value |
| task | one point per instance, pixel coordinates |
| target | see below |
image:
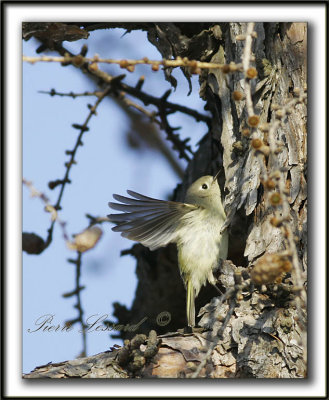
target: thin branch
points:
(246, 58)
(78, 305)
(48, 207)
(178, 62)
(150, 114)
(122, 98)
(216, 335)
(158, 102)
(260, 150)
(280, 115)
(83, 128)
(83, 62)
(76, 292)
(53, 92)
(96, 220)
(180, 145)
(216, 339)
(92, 241)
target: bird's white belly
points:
(200, 248)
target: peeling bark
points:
(265, 337)
(262, 348)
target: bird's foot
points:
(191, 329)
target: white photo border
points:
(315, 15)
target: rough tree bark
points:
(259, 328)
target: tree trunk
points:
(258, 328)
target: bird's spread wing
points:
(149, 221)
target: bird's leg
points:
(190, 303)
(188, 329)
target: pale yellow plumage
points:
(193, 225)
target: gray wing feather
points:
(130, 208)
(137, 214)
(149, 221)
(142, 197)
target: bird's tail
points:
(190, 306)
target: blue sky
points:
(105, 165)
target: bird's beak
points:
(215, 177)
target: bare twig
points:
(298, 275)
(246, 64)
(165, 107)
(147, 99)
(77, 262)
(216, 338)
(48, 207)
(123, 99)
(89, 65)
(216, 335)
(96, 220)
(150, 114)
(53, 92)
(260, 150)
(83, 128)
(178, 144)
(76, 292)
(178, 62)
(158, 102)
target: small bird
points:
(195, 226)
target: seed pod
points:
(265, 150)
(270, 184)
(264, 127)
(245, 132)
(123, 64)
(270, 268)
(275, 199)
(296, 91)
(152, 339)
(251, 73)
(257, 143)
(137, 340)
(237, 146)
(93, 66)
(78, 60)
(123, 356)
(253, 120)
(226, 69)
(237, 95)
(190, 365)
(280, 114)
(276, 222)
(150, 351)
(138, 361)
(275, 175)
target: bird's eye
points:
(204, 186)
